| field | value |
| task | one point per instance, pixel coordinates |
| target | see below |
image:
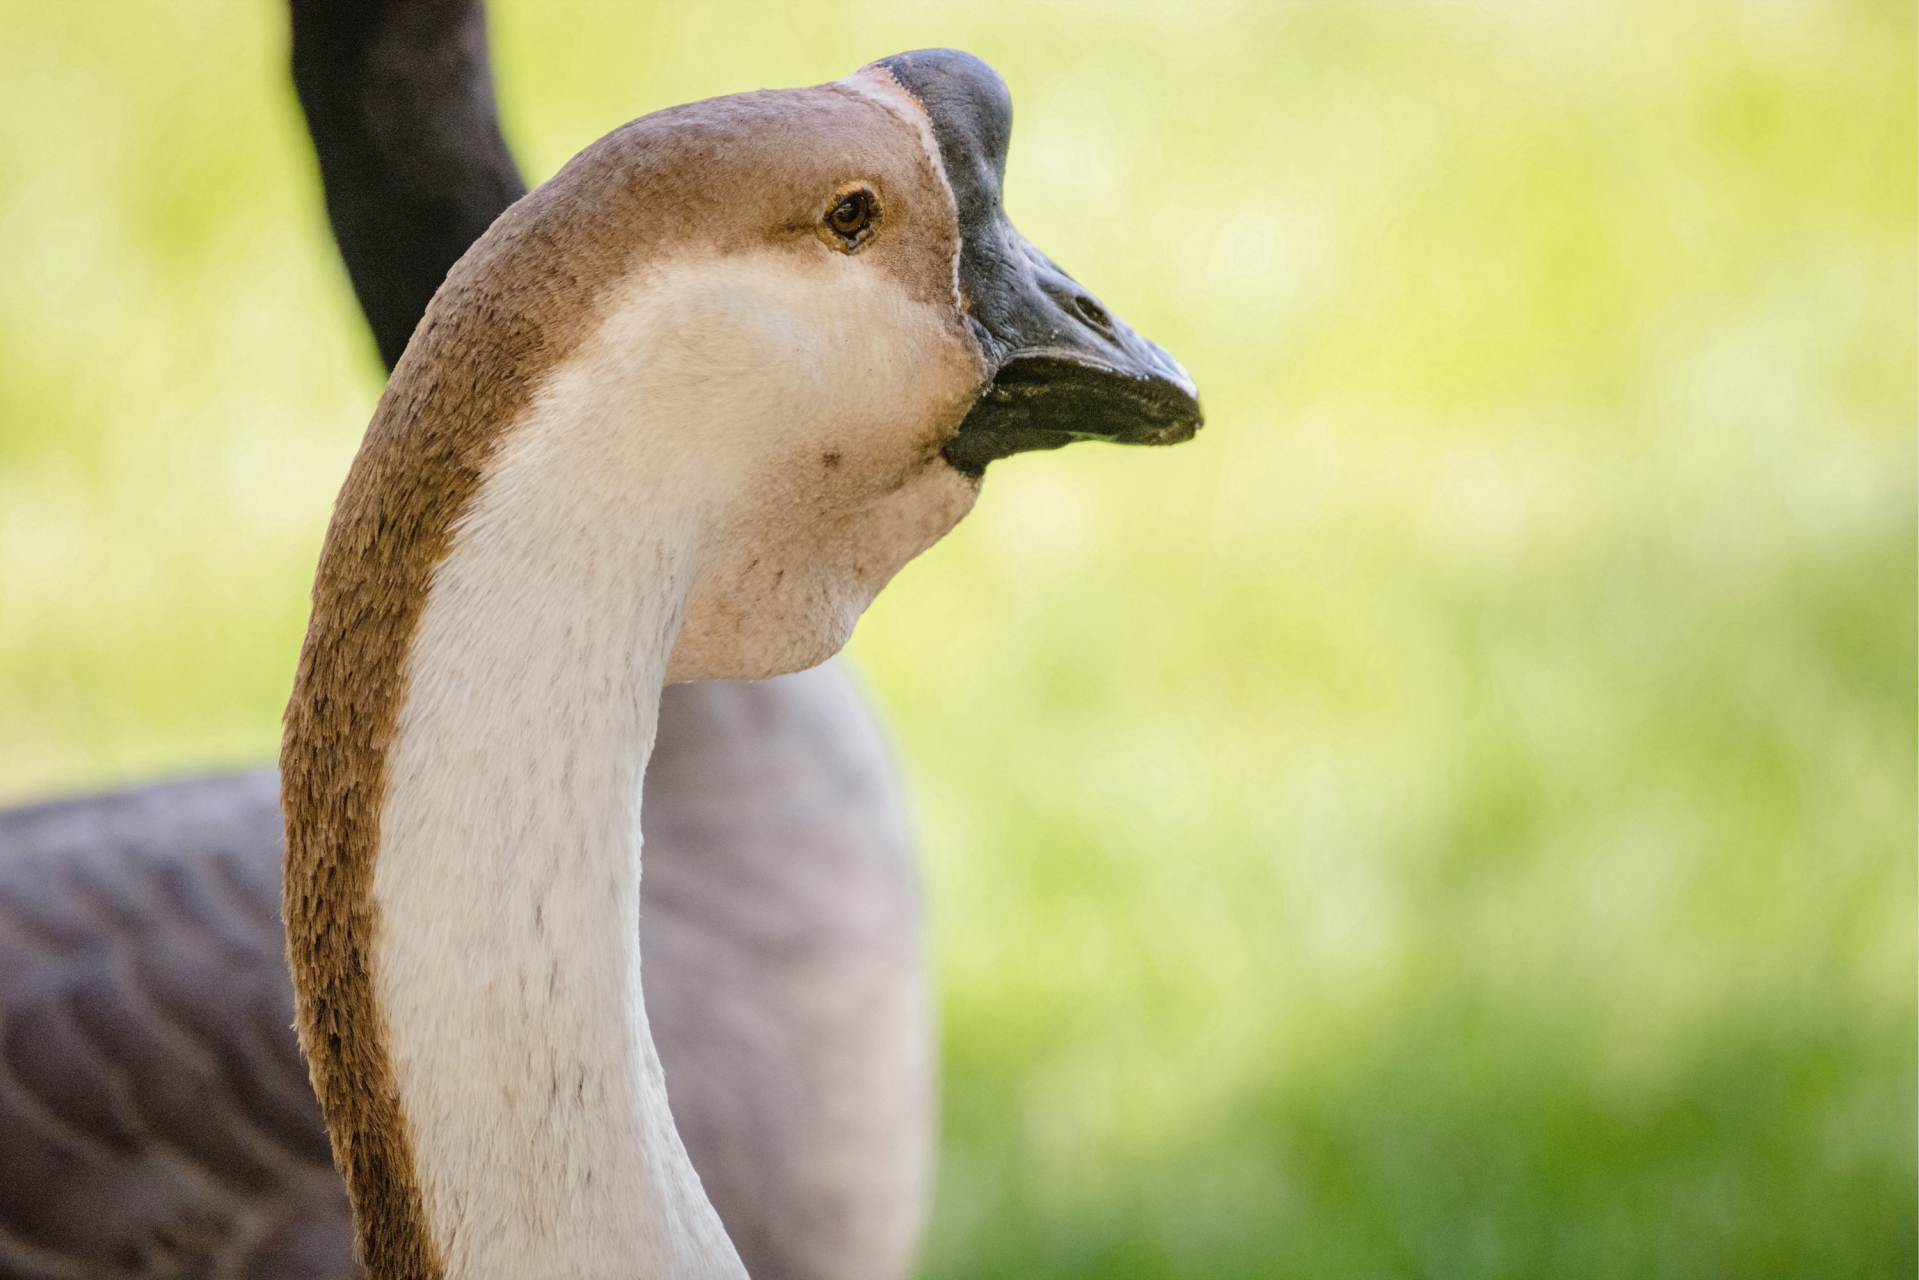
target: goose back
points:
(155, 1117)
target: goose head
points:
(679, 414)
(806, 314)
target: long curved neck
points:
(503, 584)
(465, 749)
(508, 883)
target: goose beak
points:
(1065, 368)
(1061, 367)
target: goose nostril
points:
(1092, 313)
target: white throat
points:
(507, 885)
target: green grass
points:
(1454, 819)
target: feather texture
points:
(155, 1117)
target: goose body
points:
(679, 415)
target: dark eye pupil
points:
(851, 214)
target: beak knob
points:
(1061, 366)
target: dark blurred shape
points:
(398, 96)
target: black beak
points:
(1063, 368)
(1068, 370)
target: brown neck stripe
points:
(467, 374)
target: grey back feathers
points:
(155, 1118)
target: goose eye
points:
(853, 218)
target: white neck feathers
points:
(715, 480)
(508, 878)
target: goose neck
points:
(508, 885)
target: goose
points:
(678, 415)
(783, 887)
(155, 1116)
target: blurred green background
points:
(1455, 819)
